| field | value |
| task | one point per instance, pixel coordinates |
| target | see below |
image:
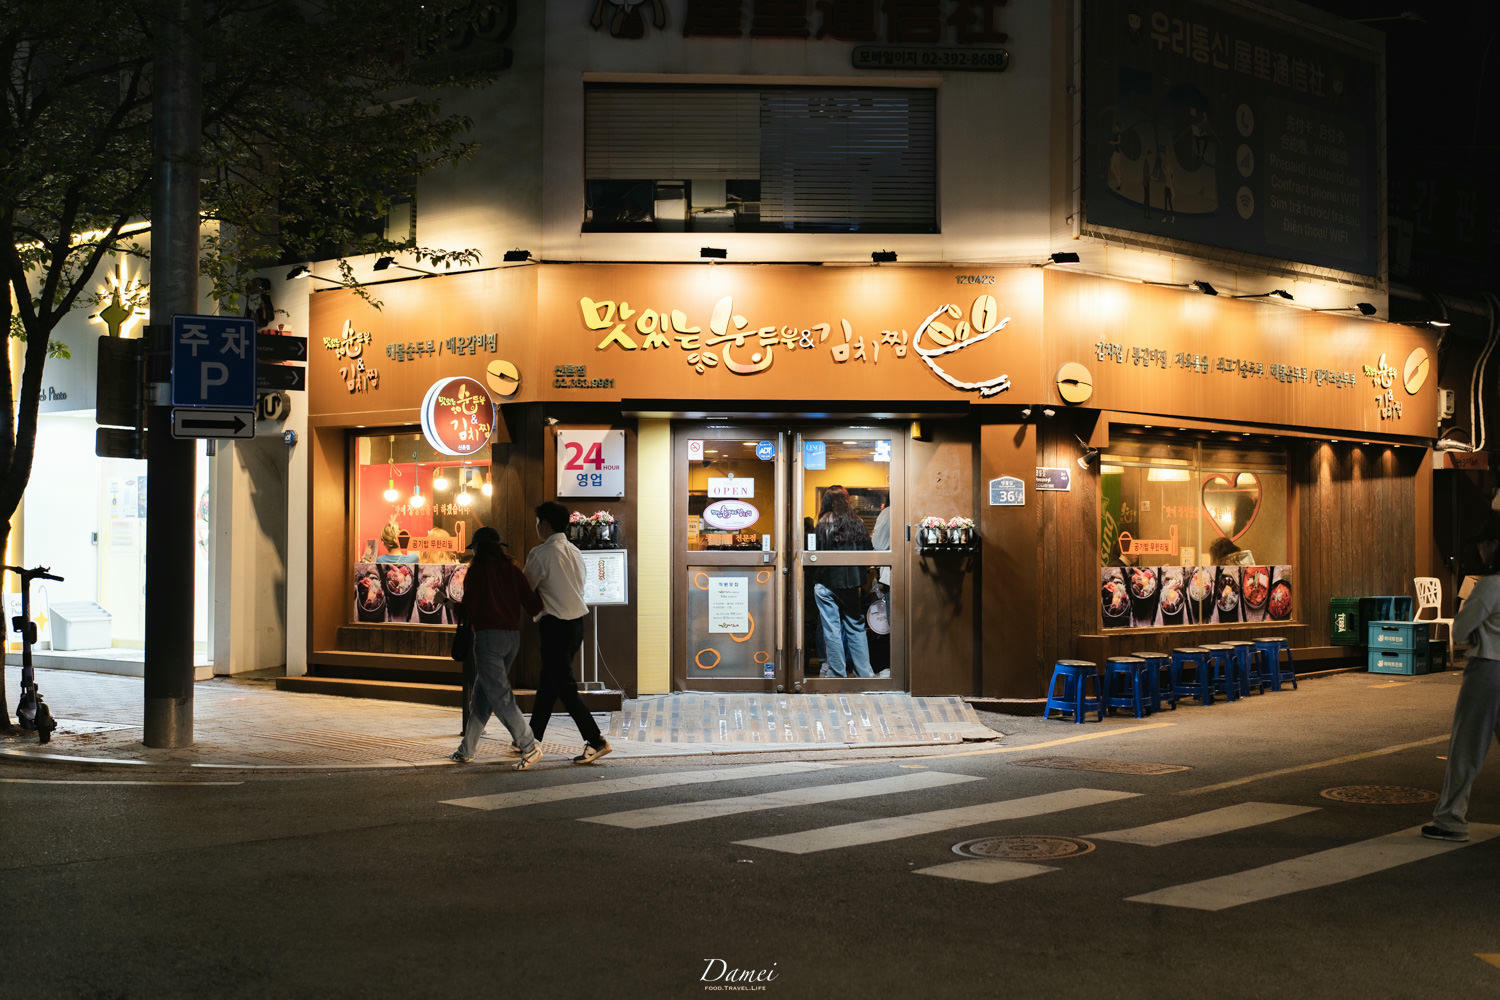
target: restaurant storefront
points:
(1113, 464)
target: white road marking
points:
(86, 781)
(1081, 738)
(1347, 758)
(611, 786)
(1310, 871)
(874, 831)
(69, 758)
(686, 812)
(987, 870)
(1204, 824)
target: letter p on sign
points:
(211, 374)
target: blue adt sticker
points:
(770, 670)
(815, 455)
(765, 451)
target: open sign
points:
(730, 515)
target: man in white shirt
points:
(555, 571)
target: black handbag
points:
(463, 642)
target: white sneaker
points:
(592, 753)
(529, 760)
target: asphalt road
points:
(558, 883)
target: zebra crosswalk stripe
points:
(990, 871)
(685, 812)
(1310, 871)
(875, 831)
(611, 786)
(1204, 824)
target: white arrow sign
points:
(213, 423)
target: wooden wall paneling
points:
(330, 584)
(1010, 580)
(1069, 548)
(941, 610)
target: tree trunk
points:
(5, 726)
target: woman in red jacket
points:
(496, 595)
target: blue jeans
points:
(843, 635)
(494, 651)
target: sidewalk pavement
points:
(248, 724)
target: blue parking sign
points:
(213, 362)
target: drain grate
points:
(1024, 848)
(1107, 766)
(1382, 795)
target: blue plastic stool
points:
(1252, 678)
(1224, 668)
(1074, 674)
(1202, 686)
(1271, 647)
(1158, 664)
(1131, 670)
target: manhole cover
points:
(1385, 795)
(1107, 766)
(1023, 848)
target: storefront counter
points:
(1101, 647)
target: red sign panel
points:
(458, 416)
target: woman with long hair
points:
(837, 588)
(496, 595)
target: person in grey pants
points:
(1476, 717)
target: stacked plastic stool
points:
(1202, 686)
(1224, 669)
(1136, 687)
(1271, 647)
(1159, 669)
(1075, 675)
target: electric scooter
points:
(31, 711)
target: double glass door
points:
(784, 545)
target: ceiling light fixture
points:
(511, 256)
(713, 253)
(1063, 257)
(883, 256)
(1204, 287)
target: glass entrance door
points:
(783, 559)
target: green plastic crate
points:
(1343, 622)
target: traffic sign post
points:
(194, 423)
(213, 362)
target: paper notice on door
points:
(728, 605)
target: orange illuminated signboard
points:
(458, 416)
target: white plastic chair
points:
(1430, 595)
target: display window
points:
(415, 510)
(1193, 533)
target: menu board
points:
(604, 576)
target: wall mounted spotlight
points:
(1025, 412)
(1063, 257)
(511, 256)
(1204, 287)
(303, 271)
(382, 263)
(713, 253)
(1087, 458)
(1048, 411)
(883, 256)
(1365, 309)
(1280, 293)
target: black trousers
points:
(560, 643)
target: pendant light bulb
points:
(439, 481)
(487, 489)
(417, 499)
(390, 491)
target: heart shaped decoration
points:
(1232, 504)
